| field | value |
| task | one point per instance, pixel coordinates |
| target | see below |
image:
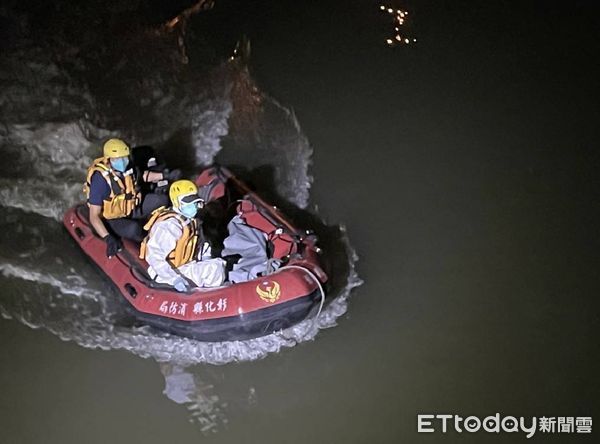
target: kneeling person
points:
(174, 249)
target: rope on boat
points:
(316, 279)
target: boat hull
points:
(232, 312)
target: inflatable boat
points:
(272, 301)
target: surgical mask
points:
(189, 210)
(120, 164)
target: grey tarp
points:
(251, 245)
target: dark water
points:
(465, 169)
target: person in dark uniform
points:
(117, 207)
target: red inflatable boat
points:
(234, 311)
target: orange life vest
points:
(186, 247)
(123, 195)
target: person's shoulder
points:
(169, 216)
(98, 180)
(168, 222)
(99, 189)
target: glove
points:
(113, 245)
(171, 175)
(181, 285)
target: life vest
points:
(186, 247)
(123, 195)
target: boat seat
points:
(142, 275)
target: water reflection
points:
(195, 389)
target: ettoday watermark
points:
(429, 423)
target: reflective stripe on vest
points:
(123, 197)
(186, 246)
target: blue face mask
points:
(120, 164)
(189, 210)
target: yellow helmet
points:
(115, 148)
(181, 189)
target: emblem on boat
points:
(269, 291)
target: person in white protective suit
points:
(174, 249)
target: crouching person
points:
(117, 208)
(174, 248)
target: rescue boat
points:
(234, 311)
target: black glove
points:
(113, 245)
(171, 175)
